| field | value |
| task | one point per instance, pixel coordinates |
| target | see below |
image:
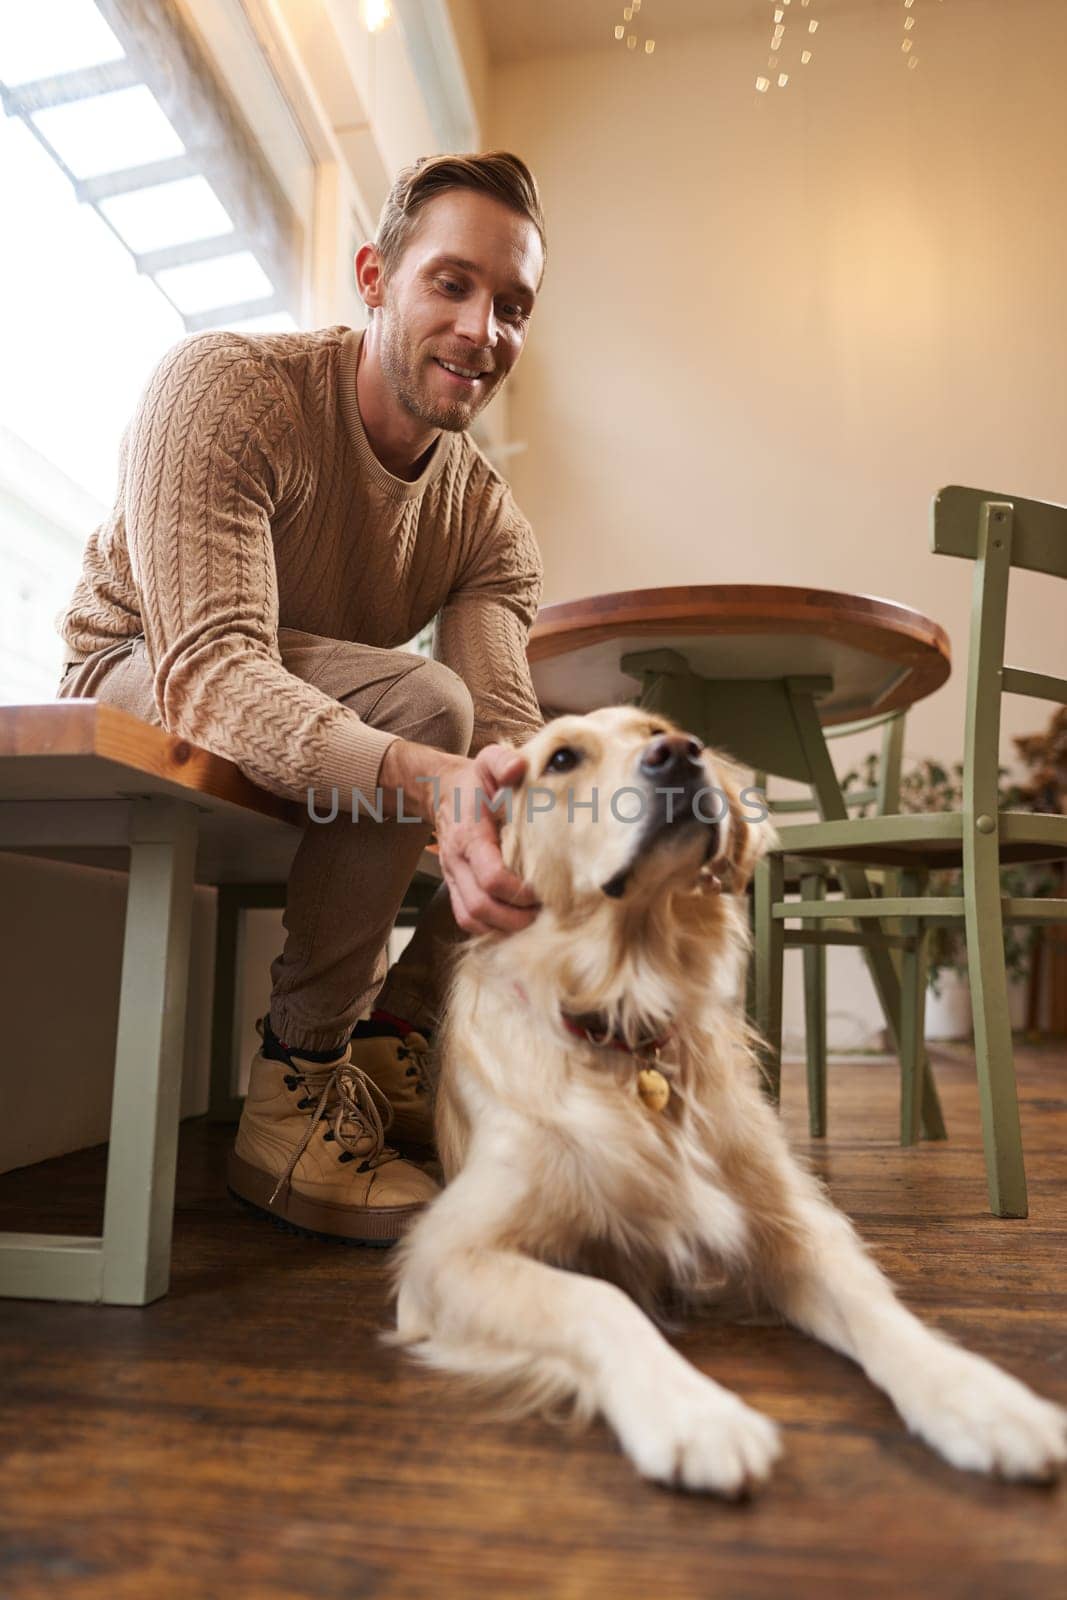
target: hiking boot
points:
(311, 1151)
(398, 1062)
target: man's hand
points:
(453, 793)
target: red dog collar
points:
(613, 1041)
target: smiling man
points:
(292, 508)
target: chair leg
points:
(913, 1061)
(994, 1056)
(813, 887)
(142, 1157)
(854, 878)
(770, 953)
(750, 965)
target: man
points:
(291, 509)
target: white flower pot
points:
(948, 1014)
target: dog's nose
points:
(671, 755)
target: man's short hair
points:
(497, 173)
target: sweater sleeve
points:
(482, 631)
(214, 455)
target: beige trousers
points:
(348, 879)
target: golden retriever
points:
(606, 1143)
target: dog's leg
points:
(472, 1303)
(815, 1270)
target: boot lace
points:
(416, 1049)
(356, 1109)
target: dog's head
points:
(621, 805)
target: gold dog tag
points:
(653, 1088)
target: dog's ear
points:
(749, 834)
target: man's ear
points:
(370, 276)
(749, 830)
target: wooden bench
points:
(81, 781)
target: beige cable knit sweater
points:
(250, 499)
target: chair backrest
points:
(996, 532)
(1038, 529)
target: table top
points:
(882, 656)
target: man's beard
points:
(400, 367)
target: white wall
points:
(772, 326)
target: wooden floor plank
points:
(251, 1438)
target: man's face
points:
(460, 297)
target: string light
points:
(623, 30)
(781, 41)
(781, 50)
(907, 44)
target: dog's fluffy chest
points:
(621, 1179)
(593, 1169)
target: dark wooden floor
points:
(249, 1438)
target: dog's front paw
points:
(692, 1434)
(982, 1420)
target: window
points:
(138, 208)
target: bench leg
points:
(142, 1157)
(223, 1104)
(234, 899)
(130, 1264)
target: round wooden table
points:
(880, 656)
(734, 662)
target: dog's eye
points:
(563, 760)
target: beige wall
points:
(772, 327)
(60, 954)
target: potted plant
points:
(1044, 755)
(926, 786)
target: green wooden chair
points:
(813, 880)
(996, 532)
